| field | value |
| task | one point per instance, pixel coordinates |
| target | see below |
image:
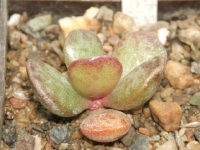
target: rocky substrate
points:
(171, 118)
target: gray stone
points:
(170, 144)
(150, 127)
(195, 99)
(197, 134)
(105, 14)
(14, 39)
(40, 22)
(21, 132)
(195, 68)
(27, 30)
(156, 137)
(167, 145)
(128, 138)
(58, 134)
(26, 142)
(9, 134)
(140, 142)
(45, 126)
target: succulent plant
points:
(123, 81)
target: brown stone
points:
(167, 114)
(18, 103)
(123, 23)
(178, 75)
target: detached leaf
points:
(138, 86)
(105, 125)
(54, 90)
(81, 44)
(136, 48)
(96, 77)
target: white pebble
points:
(181, 131)
(91, 12)
(21, 94)
(163, 33)
(191, 125)
(38, 143)
(14, 19)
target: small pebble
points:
(194, 145)
(169, 145)
(123, 23)
(26, 142)
(38, 143)
(178, 75)
(101, 37)
(195, 99)
(105, 13)
(108, 48)
(63, 146)
(195, 68)
(144, 131)
(167, 114)
(21, 132)
(156, 137)
(179, 141)
(197, 134)
(127, 139)
(152, 129)
(113, 40)
(18, 103)
(9, 134)
(58, 134)
(163, 33)
(14, 19)
(147, 112)
(91, 12)
(39, 23)
(140, 142)
(14, 39)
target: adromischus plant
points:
(123, 81)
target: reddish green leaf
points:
(54, 90)
(96, 77)
(143, 59)
(105, 125)
(138, 86)
(81, 44)
(136, 48)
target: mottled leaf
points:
(143, 59)
(138, 86)
(136, 48)
(54, 90)
(81, 44)
(105, 125)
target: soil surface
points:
(171, 123)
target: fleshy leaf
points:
(136, 48)
(96, 77)
(105, 125)
(138, 86)
(81, 44)
(143, 59)
(54, 90)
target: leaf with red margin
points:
(54, 91)
(96, 77)
(143, 59)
